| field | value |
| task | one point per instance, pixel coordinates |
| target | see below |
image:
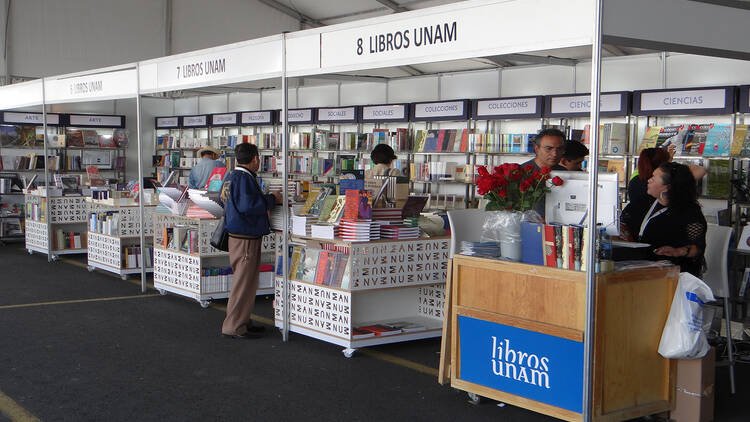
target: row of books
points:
(33, 136)
(385, 329)
(69, 240)
(180, 238)
(706, 140)
(169, 141)
(317, 266)
(554, 245)
(311, 165)
(105, 222)
(216, 279)
(133, 258)
(613, 138)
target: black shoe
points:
(247, 336)
(255, 328)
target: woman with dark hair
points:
(673, 225)
(382, 156)
(649, 160)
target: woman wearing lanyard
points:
(673, 225)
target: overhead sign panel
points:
(443, 110)
(337, 115)
(385, 113)
(90, 120)
(167, 122)
(92, 87)
(224, 119)
(36, 119)
(22, 94)
(448, 32)
(195, 121)
(247, 61)
(257, 117)
(299, 116)
(706, 101)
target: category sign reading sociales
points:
(341, 115)
(524, 363)
(709, 100)
(385, 113)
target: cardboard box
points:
(694, 401)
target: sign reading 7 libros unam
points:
(525, 363)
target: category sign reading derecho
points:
(525, 363)
(98, 86)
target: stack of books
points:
(359, 231)
(388, 214)
(301, 224)
(393, 231)
(486, 249)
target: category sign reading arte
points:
(30, 118)
(86, 120)
(525, 363)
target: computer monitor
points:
(568, 204)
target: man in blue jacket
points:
(246, 210)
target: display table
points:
(516, 335)
(66, 226)
(114, 238)
(386, 281)
(202, 272)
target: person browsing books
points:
(649, 160)
(382, 157)
(549, 146)
(574, 156)
(246, 218)
(202, 170)
(673, 225)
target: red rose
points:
(515, 175)
(546, 170)
(502, 193)
(528, 167)
(557, 181)
(485, 185)
(524, 186)
(482, 170)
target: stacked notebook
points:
(486, 249)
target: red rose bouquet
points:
(514, 187)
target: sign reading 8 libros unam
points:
(525, 363)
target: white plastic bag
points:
(683, 336)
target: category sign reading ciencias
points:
(683, 100)
(582, 104)
(525, 363)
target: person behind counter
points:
(673, 225)
(202, 171)
(574, 155)
(549, 146)
(382, 156)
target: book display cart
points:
(385, 281)
(64, 233)
(114, 238)
(190, 266)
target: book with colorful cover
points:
(337, 211)
(357, 205)
(671, 135)
(90, 138)
(649, 138)
(321, 271)
(74, 138)
(380, 330)
(738, 140)
(215, 179)
(718, 141)
(695, 140)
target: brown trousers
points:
(244, 256)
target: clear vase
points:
(504, 227)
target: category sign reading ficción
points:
(445, 110)
(226, 119)
(195, 121)
(341, 114)
(718, 100)
(97, 86)
(30, 118)
(256, 118)
(509, 108)
(385, 113)
(524, 363)
(167, 122)
(97, 121)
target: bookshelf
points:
(260, 128)
(114, 238)
(64, 233)
(11, 207)
(191, 267)
(383, 282)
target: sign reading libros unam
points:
(439, 33)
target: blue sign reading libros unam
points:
(525, 363)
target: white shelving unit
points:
(68, 213)
(106, 251)
(181, 273)
(388, 281)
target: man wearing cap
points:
(202, 170)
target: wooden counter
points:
(516, 335)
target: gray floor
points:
(161, 358)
